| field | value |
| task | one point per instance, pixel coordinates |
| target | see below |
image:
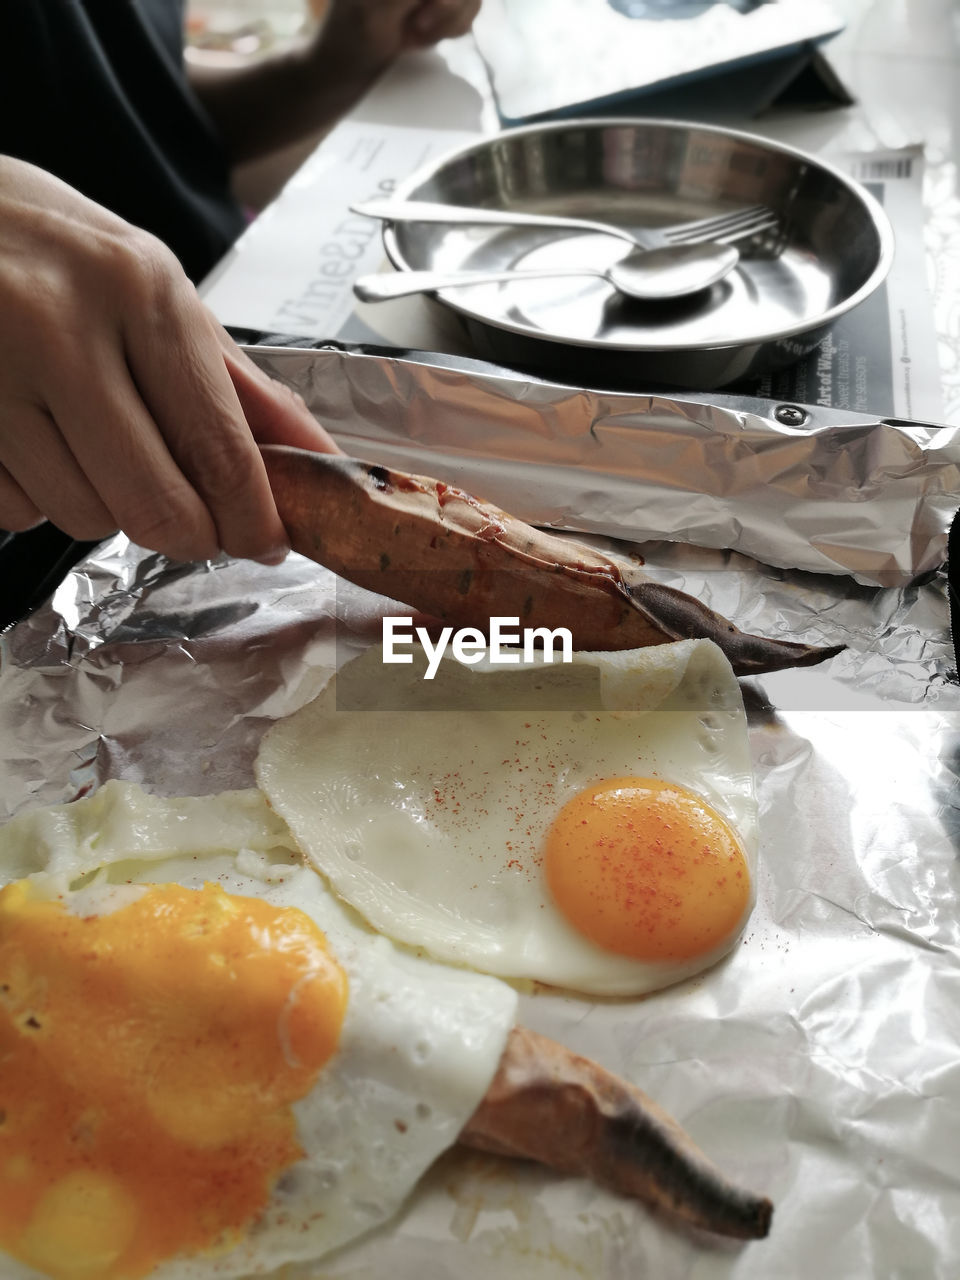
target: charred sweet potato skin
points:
(448, 554)
(550, 1105)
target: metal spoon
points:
(648, 274)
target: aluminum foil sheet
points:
(817, 1063)
(835, 493)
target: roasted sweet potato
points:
(549, 1105)
(464, 561)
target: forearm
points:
(282, 99)
(307, 88)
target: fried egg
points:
(210, 1067)
(590, 825)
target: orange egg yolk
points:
(148, 1061)
(646, 869)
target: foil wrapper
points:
(835, 493)
(817, 1063)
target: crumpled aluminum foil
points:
(840, 493)
(817, 1063)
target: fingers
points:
(42, 478)
(274, 412)
(177, 367)
(436, 20)
(122, 402)
(17, 512)
(107, 461)
(118, 446)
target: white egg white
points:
(426, 803)
(420, 1042)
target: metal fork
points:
(724, 228)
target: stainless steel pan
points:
(835, 249)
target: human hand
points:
(279, 99)
(123, 404)
(434, 20)
(372, 33)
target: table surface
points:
(822, 1057)
(899, 60)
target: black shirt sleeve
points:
(94, 91)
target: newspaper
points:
(882, 356)
(292, 272)
(293, 269)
